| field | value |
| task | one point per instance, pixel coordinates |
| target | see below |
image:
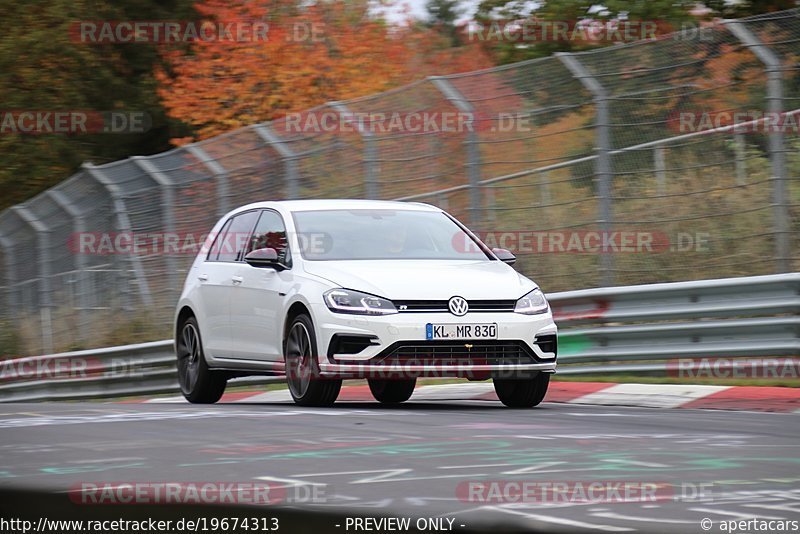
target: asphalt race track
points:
(415, 460)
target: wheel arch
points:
(184, 313)
(297, 308)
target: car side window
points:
(270, 232)
(233, 246)
(216, 247)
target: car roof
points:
(342, 204)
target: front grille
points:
(446, 352)
(420, 306)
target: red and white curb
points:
(767, 399)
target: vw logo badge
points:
(458, 306)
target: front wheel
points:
(522, 392)
(302, 368)
(392, 391)
(199, 384)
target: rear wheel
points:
(392, 391)
(199, 384)
(522, 392)
(302, 368)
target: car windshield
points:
(370, 234)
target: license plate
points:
(461, 331)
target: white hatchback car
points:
(324, 290)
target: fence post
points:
(124, 225)
(740, 149)
(544, 188)
(12, 301)
(372, 187)
(167, 187)
(603, 169)
(288, 156)
(43, 261)
(777, 149)
(458, 100)
(220, 176)
(79, 260)
(443, 201)
(659, 161)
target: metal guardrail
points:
(643, 329)
(113, 372)
(617, 329)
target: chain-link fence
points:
(598, 168)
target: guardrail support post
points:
(777, 149)
(124, 225)
(43, 260)
(288, 156)
(372, 187)
(463, 105)
(220, 176)
(603, 168)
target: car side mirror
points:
(505, 256)
(265, 258)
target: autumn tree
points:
(311, 55)
(670, 14)
(45, 70)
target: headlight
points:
(532, 303)
(348, 301)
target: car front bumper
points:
(398, 347)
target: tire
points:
(392, 391)
(199, 384)
(522, 393)
(302, 367)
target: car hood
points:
(425, 279)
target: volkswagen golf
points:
(324, 290)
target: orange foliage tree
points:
(311, 55)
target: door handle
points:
(202, 277)
(237, 279)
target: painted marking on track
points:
(290, 482)
(128, 417)
(106, 460)
(422, 501)
(740, 515)
(386, 476)
(612, 414)
(533, 468)
(562, 521)
(472, 466)
(792, 507)
(648, 519)
(635, 462)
